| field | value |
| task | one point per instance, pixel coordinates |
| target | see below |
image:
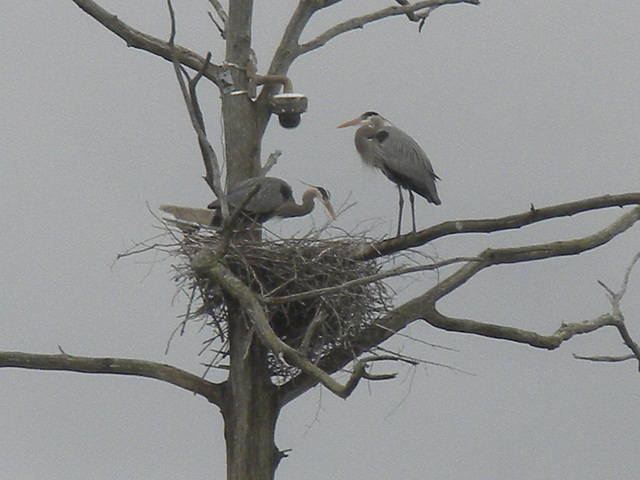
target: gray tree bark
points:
(249, 408)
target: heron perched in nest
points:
(272, 197)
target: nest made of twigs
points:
(311, 291)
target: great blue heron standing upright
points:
(398, 156)
(273, 198)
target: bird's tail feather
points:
(201, 216)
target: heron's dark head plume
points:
(324, 193)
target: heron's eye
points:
(369, 115)
(325, 193)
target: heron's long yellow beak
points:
(327, 205)
(350, 123)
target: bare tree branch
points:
(528, 253)
(359, 22)
(418, 17)
(115, 366)
(490, 225)
(318, 318)
(219, 10)
(211, 165)
(137, 39)
(285, 53)
(289, 48)
(605, 358)
(501, 332)
(626, 338)
(627, 275)
(424, 306)
(212, 168)
(619, 322)
(218, 26)
(270, 163)
(222, 14)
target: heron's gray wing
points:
(404, 162)
(273, 192)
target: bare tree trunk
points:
(250, 408)
(241, 135)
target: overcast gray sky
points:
(515, 103)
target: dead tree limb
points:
(137, 39)
(618, 320)
(423, 307)
(115, 366)
(222, 15)
(212, 168)
(356, 23)
(490, 225)
(290, 48)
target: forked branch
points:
(408, 9)
(618, 321)
(423, 307)
(290, 48)
(501, 256)
(151, 44)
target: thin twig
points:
(218, 26)
(604, 358)
(366, 280)
(208, 154)
(625, 281)
(269, 164)
(417, 340)
(211, 160)
(222, 14)
(219, 10)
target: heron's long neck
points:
(364, 139)
(293, 209)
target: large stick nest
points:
(317, 324)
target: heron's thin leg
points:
(413, 210)
(401, 205)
